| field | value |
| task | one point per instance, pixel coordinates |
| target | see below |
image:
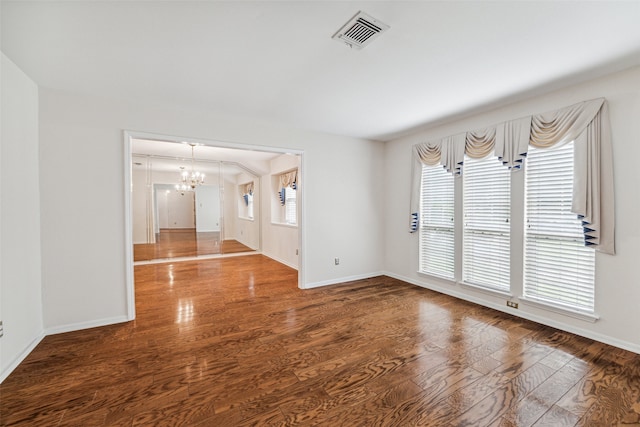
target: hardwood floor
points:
(176, 243)
(234, 342)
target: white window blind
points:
(486, 230)
(290, 206)
(436, 222)
(558, 268)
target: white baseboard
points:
(281, 261)
(523, 314)
(18, 360)
(85, 325)
(342, 280)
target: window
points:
(436, 223)
(558, 267)
(290, 206)
(486, 229)
(249, 206)
(245, 204)
(284, 203)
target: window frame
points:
(516, 293)
(545, 243)
(287, 202)
(440, 224)
(486, 229)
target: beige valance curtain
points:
(246, 188)
(479, 144)
(512, 142)
(586, 123)
(289, 179)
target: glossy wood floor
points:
(233, 342)
(176, 243)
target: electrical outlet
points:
(512, 304)
(337, 261)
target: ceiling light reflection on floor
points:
(185, 311)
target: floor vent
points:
(360, 30)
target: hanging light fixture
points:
(190, 180)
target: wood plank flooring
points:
(176, 243)
(234, 342)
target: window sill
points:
(588, 317)
(282, 224)
(436, 276)
(487, 290)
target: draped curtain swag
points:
(586, 123)
(289, 179)
(246, 188)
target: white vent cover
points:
(360, 30)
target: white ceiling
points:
(170, 156)
(275, 61)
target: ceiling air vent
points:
(360, 30)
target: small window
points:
(250, 206)
(290, 206)
(245, 203)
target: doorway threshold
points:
(195, 258)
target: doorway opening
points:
(233, 208)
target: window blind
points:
(558, 268)
(486, 230)
(290, 206)
(437, 243)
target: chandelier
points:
(189, 180)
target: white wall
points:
(247, 230)
(617, 290)
(140, 202)
(280, 241)
(230, 209)
(207, 208)
(83, 265)
(20, 274)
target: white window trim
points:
(436, 276)
(487, 289)
(284, 224)
(589, 317)
(286, 205)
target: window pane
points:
(487, 228)
(436, 222)
(558, 267)
(290, 206)
(250, 206)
